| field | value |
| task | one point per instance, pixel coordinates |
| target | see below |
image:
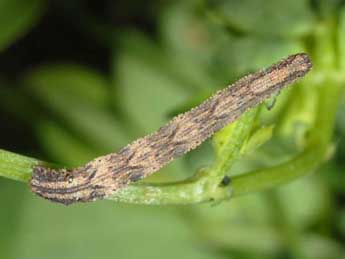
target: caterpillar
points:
(104, 175)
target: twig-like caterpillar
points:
(105, 175)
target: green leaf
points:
(327, 8)
(191, 40)
(62, 146)
(299, 114)
(319, 247)
(310, 201)
(185, 31)
(12, 200)
(17, 17)
(258, 138)
(236, 56)
(228, 143)
(77, 81)
(180, 68)
(80, 97)
(14, 101)
(341, 222)
(237, 226)
(146, 92)
(102, 230)
(288, 19)
(333, 173)
(192, 102)
(341, 39)
(221, 138)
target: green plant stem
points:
(231, 144)
(314, 154)
(186, 192)
(16, 167)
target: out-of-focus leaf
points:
(273, 108)
(341, 39)
(245, 239)
(237, 56)
(237, 225)
(196, 74)
(200, 158)
(233, 226)
(228, 141)
(340, 140)
(186, 30)
(181, 69)
(219, 138)
(192, 102)
(326, 8)
(79, 96)
(266, 242)
(147, 94)
(14, 101)
(320, 247)
(17, 17)
(12, 197)
(270, 18)
(341, 223)
(248, 209)
(191, 41)
(73, 80)
(258, 138)
(103, 230)
(299, 115)
(62, 146)
(309, 198)
(333, 175)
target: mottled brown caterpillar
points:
(105, 175)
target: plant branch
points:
(16, 167)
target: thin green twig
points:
(16, 167)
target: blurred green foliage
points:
(78, 112)
(17, 17)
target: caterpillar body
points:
(105, 175)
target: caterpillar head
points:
(67, 186)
